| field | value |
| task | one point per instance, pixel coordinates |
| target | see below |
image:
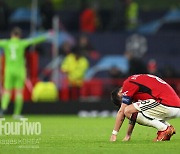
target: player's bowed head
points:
(116, 97)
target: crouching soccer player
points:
(15, 69)
(149, 101)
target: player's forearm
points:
(132, 123)
(38, 40)
(130, 129)
(129, 132)
(119, 120)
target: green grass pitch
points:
(71, 134)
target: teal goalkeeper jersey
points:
(14, 49)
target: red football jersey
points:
(146, 86)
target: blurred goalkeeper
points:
(15, 69)
(149, 101)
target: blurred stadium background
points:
(116, 38)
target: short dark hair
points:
(115, 98)
(16, 31)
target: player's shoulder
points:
(25, 41)
(137, 78)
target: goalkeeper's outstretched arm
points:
(39, 39)
(34, 41)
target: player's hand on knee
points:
(127, 138)
(113, 138)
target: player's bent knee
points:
(129, 110)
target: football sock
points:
(5, 101)
(160, 126)
(18, 104)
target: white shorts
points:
(154, 110)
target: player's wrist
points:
(114, 132)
